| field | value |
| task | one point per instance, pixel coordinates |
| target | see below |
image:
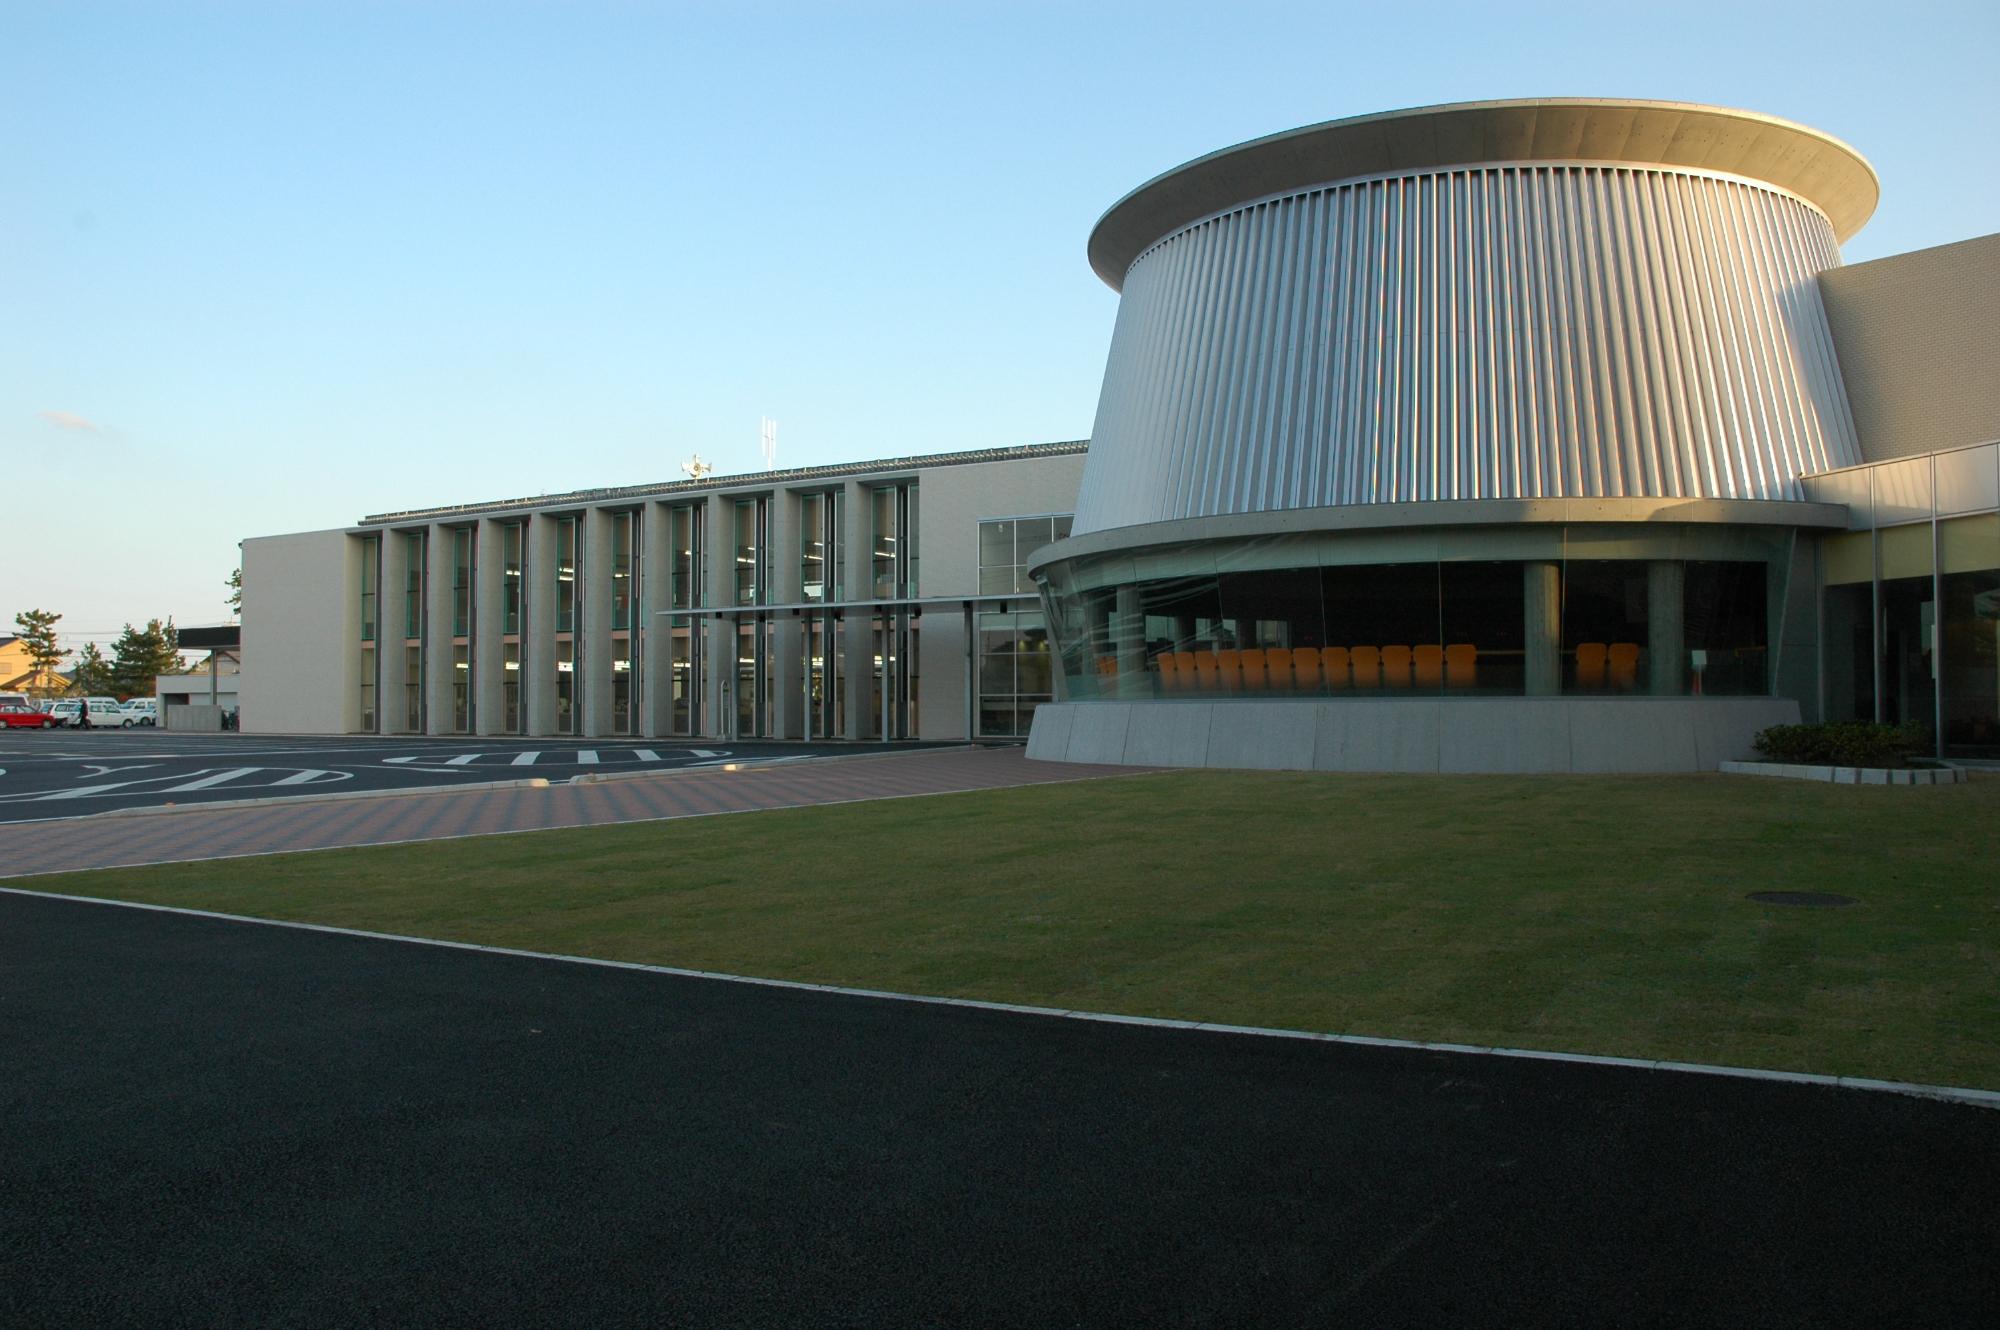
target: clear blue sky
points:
(271, 266)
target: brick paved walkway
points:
(195, 832)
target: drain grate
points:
(1812, 900)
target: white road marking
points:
(646, 754)
(707, 752)
(399, 759)
(526, 759)
(586, 757)
(464, 759)
(96, 770)
(206, 782)
(85, 792)
(313, 776)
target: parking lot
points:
(67, 774)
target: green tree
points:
(141, 655)
(235, 585)
(38, 638)
(92, 675)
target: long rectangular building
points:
(879, 600)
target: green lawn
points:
(1596, 914)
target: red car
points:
(15, 716)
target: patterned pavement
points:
(168, 835)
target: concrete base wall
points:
(1436, 734)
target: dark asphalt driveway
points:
(207, 1123)
(71, 774)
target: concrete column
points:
(857, 639)
(438, 671)
(1128, 637)
(489, 651)
(719, 669)
(1541, 626)
(538, 636)
(787, 659)
(593, 602)
(656, 590)
(1666, 630)
(389, 645)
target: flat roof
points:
(1817, 167)
(744, 480)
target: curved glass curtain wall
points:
(1659, 610)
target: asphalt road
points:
(214, 1123)
(62, 774)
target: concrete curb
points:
(1848, 775)
(1988, 1099)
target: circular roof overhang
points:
(1817, 167)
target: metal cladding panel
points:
(1545, 331)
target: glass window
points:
(566, 574)
(1604, 625)
(413, 584)
(461, 580)
(750, 551)
(1016, 671)
(1004, 546)
(812, 547)
(686, 558)
(370, 554)
(1969, 550)
(1908, 661)
(510, 688)
(621, 571)
(510, 578)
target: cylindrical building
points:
(1492, 416)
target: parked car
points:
(105, 713)
(16, 716)
(144, 710)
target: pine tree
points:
(140, 656)
(92, 675)
(235, 585)
(38, 638)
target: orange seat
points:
(1170, 673)
(1396, 666)
(1367, 662)
(1278, 667)
(1254, 675)
(1205, 671)
(1623, 658)
(1334, 664)
(1184, 662)
(1229, 670)
(1305, 666)
(1107, 667)
(1428, 664)
(1590, 664)
(1461, 665)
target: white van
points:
(144, 710)
(105, 713)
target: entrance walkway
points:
(169, 835)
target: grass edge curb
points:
(1978, 1098)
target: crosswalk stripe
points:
(217, 779)
(586, 757)
(464, 759)
(305, 777)
(524, 759)
(646, 754)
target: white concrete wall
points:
(301, 634)
(1438, 735)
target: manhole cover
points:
(1817, 900)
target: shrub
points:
(1855, 743)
